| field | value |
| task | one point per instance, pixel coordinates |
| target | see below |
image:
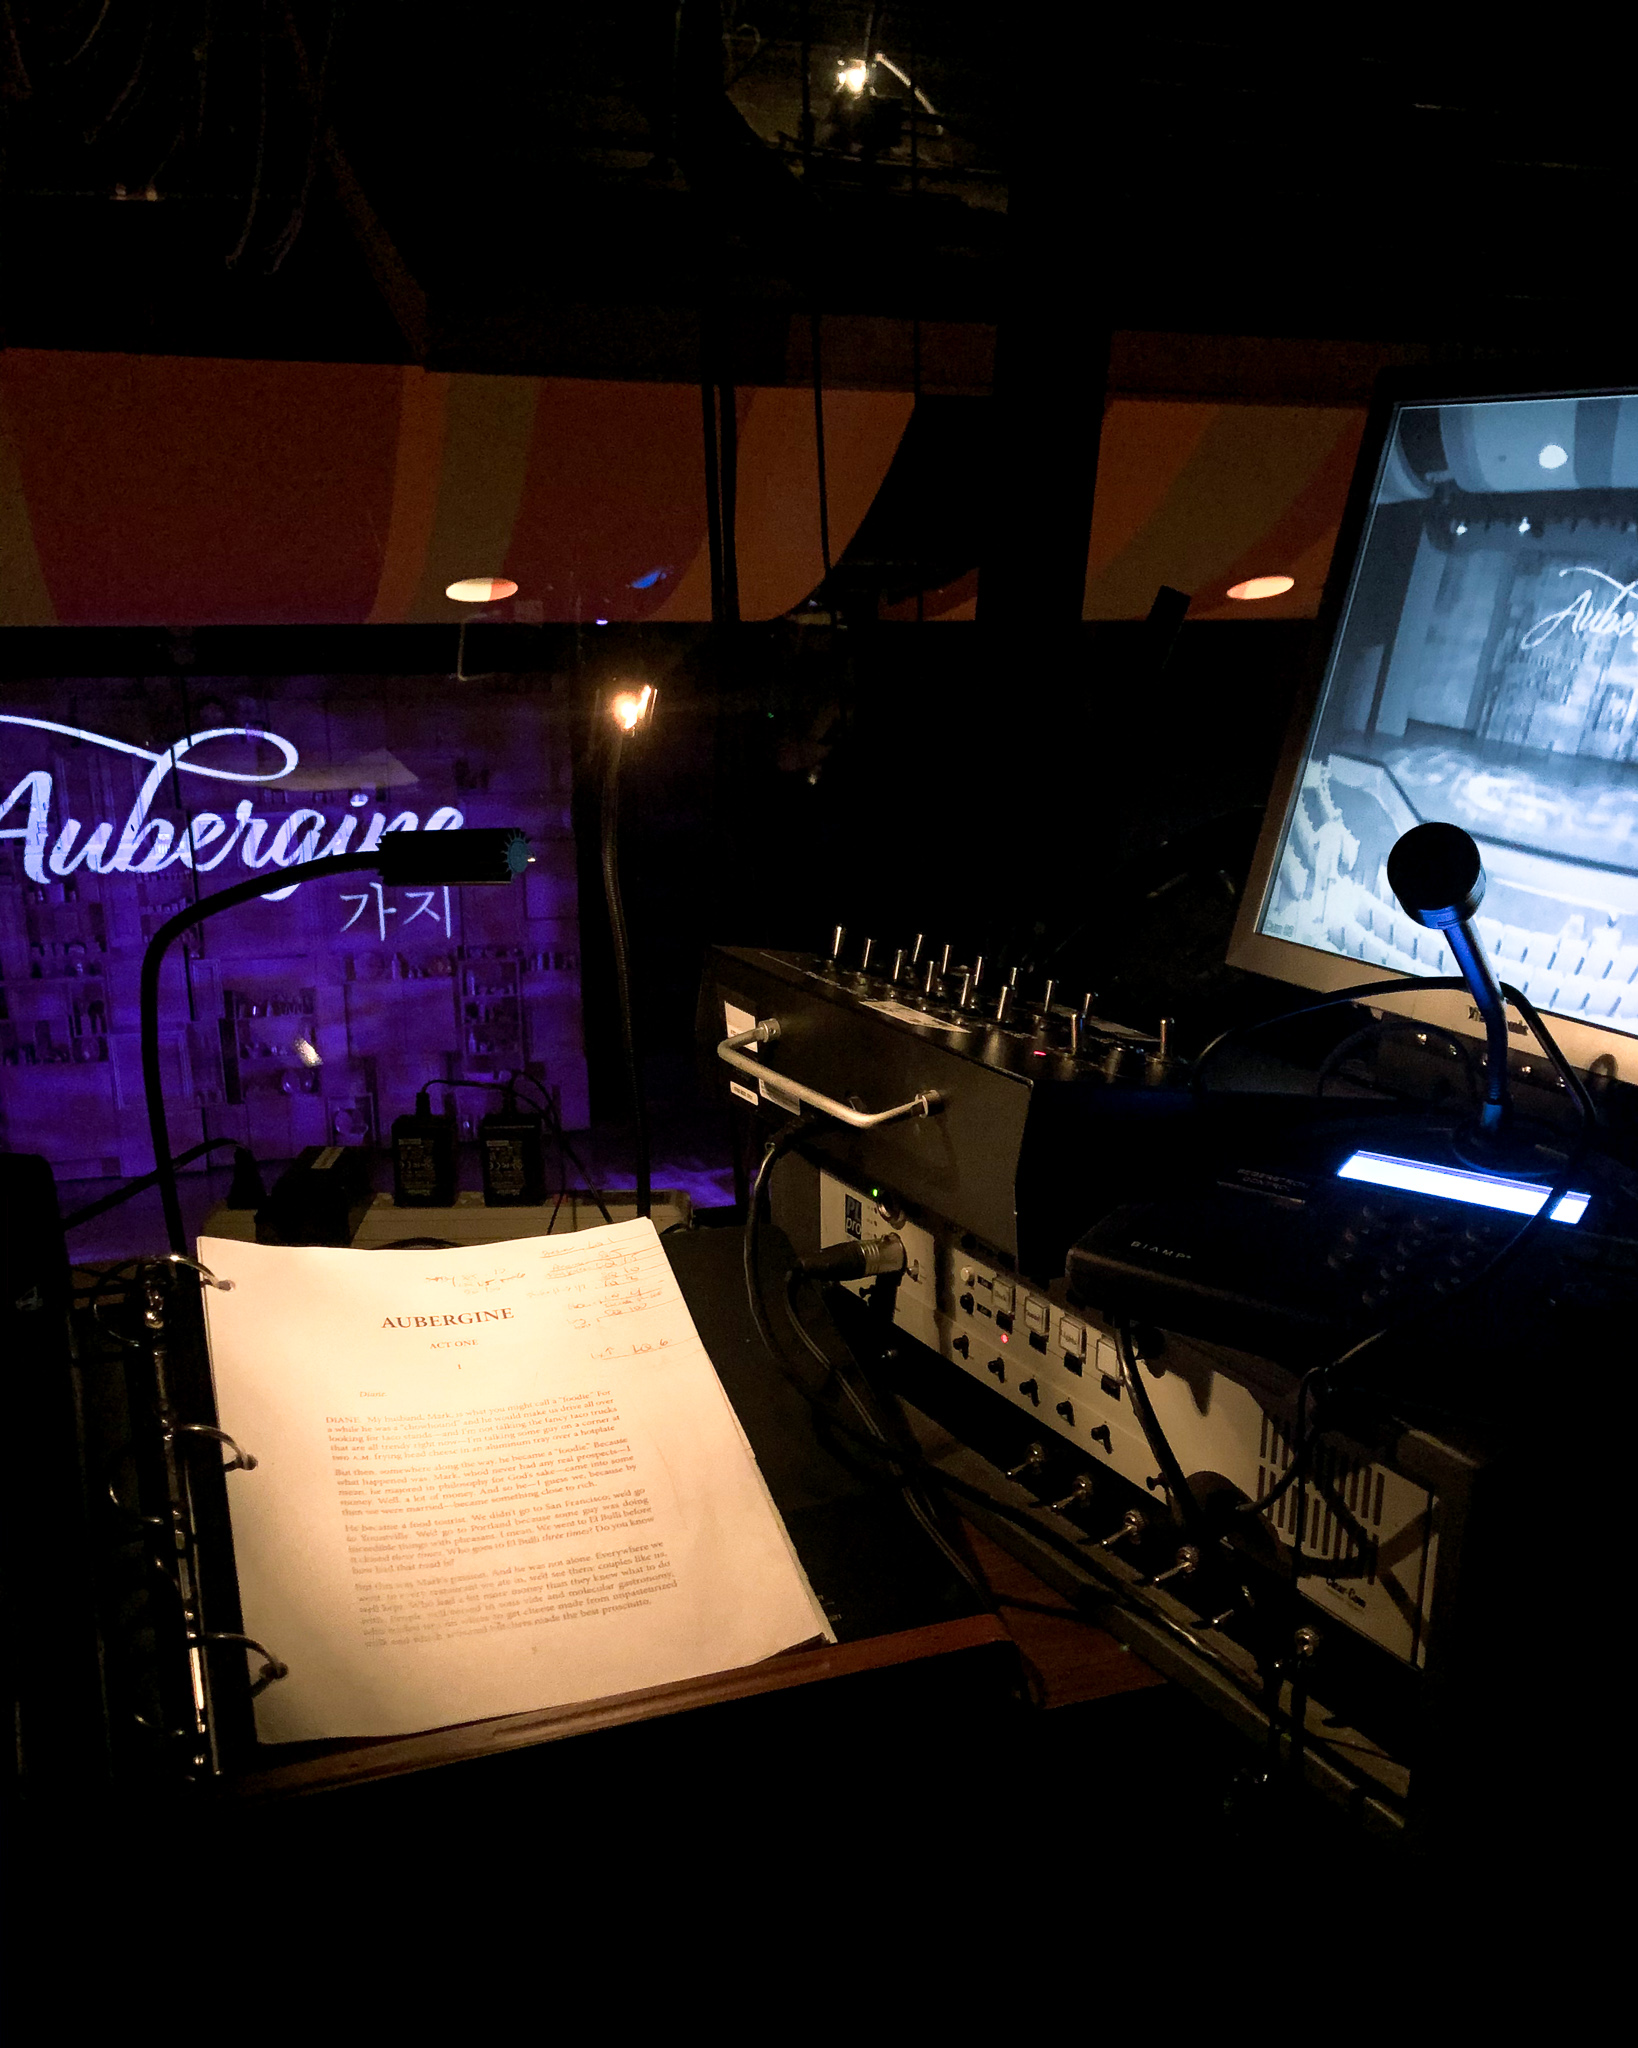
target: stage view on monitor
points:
(1483, 672)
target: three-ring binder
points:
(195, 1701)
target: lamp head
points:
(482, 854)
(1436, 873)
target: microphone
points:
(1436, 873)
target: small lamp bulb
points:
(631, 707)
(852, 75)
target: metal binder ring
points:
(241, 1461)
(273, 1668)
(193, 1266)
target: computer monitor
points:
(1476, 663)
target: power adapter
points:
(320, 1198)
(512, 1145)
(423, 1157)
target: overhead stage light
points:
(852, 75)
(1262, 586)
(1553, 456)
(481, 589)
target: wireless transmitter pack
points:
(512, 1146)
(423, 1157)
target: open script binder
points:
(485, 1480)
(430, 1487)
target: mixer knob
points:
(864, 957)
(898, 964)
(978, 973)
(1003, 1005)
(1087, 1001)
(915, 950)
(838, 939)
(1074, 1034)
(944, 960)
(930, 984)
(1046, 993)
(964, 1001)
(1012, 978)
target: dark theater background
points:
(950, 415)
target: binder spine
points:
(192, 1703)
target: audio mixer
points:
(988, 1127)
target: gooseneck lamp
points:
(630, 712)
(402, 860)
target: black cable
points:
(622, 960)
(142, 1182)
(1409, 985)
(778, 1145)
(1382, 1027)
(1178, 1491)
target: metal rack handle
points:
(731, 1052)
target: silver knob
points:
(1087, 1001)
(1046, 993)
(898, 963)
(1077, 1496)
(1003, 1005)
(915, 950)
(930, 985)
(838, 939)
(978, 973)
(944, 959)
(1074, 1033)
(965, 999)
(864, 957)
(1034, 1459)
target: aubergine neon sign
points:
(146, 845)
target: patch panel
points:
(1055, 1364)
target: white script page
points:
(489, 1479)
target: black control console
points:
(1300, 1246)
(1043, 1114)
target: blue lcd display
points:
(1454, 1184)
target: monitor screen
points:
(1482, 670)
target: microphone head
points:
(1436, 873)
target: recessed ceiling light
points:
(481, 589)
(1262, 586)
(1552, 456)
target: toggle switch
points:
(1187, 1559)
